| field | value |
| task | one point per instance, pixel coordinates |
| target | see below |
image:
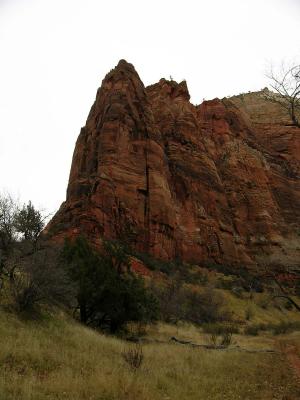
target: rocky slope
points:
(218, 182)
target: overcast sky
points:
(55, 53)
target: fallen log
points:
(205, 346)
(222, 347)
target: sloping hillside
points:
(55, 358)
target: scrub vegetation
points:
(76, 323)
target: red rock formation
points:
(218, 182)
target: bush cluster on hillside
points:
(179, 301)
(108, 293)
(31, 272)
(99, 287)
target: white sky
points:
(55, 53)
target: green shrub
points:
(224, 283)
(252, 330)
(277, 329)
(288, 305)
(205, 306)
(155, 264)
(285, 327)
(180, 302)
(239, 275)
(108, 293)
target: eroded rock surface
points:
(218, 182)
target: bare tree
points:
(8, 235)
(286, 281)
(286, 86)
(8, 211)
(40, 279)
(19, 230)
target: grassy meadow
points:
(242, 345)
(54, 357)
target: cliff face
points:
(218, 182)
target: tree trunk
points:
(83, 313)
(114, 326)
(293, 116)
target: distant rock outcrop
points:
(218, 182)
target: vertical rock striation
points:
(218, 182)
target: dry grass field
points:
(56, 358)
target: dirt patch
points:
(292, 356)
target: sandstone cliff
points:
(218, 182)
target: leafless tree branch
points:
(286, 86)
